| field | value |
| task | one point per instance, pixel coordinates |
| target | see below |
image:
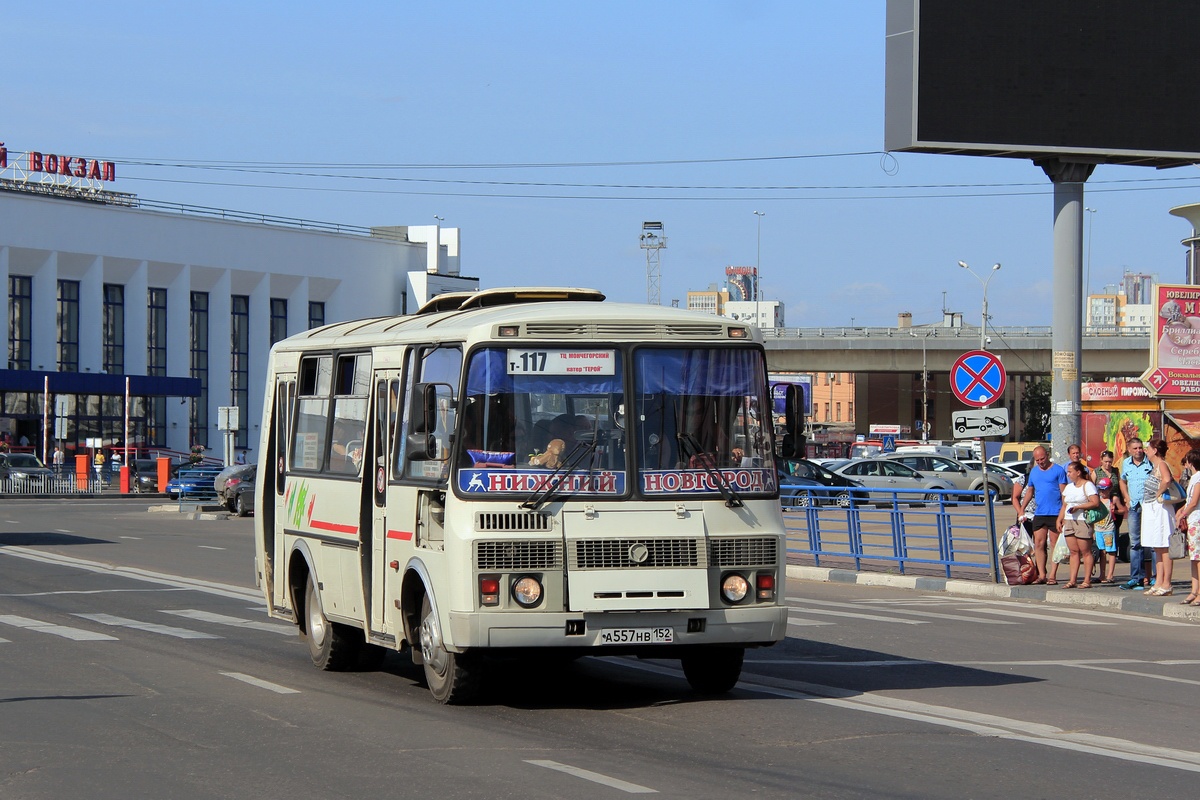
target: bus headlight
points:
(734, 588)
(527, 591)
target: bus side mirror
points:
(793, 444)
(423, 409)
(421, 447)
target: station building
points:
(112, 301)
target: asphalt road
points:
(137, 662)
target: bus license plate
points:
(637, 635)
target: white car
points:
(956, 472)
(885, 476)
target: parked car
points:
(1000, 469)
(20, 469)
(194, 482)
(884, 476)
(145, 475)
(840, 484)
(954, 471)
(231, 487)
(796, 492)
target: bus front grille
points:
(523, 522)
(758, 551)
(520, 555)
(636, 553)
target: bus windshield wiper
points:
(550, 490)
(691, 448)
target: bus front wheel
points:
(330, 645)
(714, 670)
(452, 677)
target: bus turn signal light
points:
(765, 583)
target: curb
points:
(1131, 602)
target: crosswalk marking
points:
(76, 634)
(912, 613)
(151, 627)
(260, 683)
(875, 617)
(1028, 615)
(237, 622)
(801, 622)
(1109, 615)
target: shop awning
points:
(1186, 421)
(24, 380)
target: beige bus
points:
(523, 472)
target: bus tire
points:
(713, 670)
(452, 678)
(331, 646)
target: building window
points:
(114, 329)
(827, 418)
(838, 411)
(198, 425)
(239, 373)
(20, 342)
(278, 319)
(68, 326)
(850, 412)
(316, 315)
(156, 363)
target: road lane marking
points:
(1113, 614)
(875, 617)
(75, 634)
(1026, 615)
(801, 622)
(237, 622)
(209, 547)
(260, 683)
(960, 719)
(133, 573)
(151, 627)
(816, 662)
(1151, 675)
(86, 591)
(138, 538)
(594, 777)
(61, 530)
(912, 613)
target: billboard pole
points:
(1066, 339)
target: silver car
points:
(886, 476)
(956, 472)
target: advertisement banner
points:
(1175, 349)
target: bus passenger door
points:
(285, 391)
(384, 419)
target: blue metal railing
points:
(942, 530)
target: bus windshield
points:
(532, 417)
(701, 421)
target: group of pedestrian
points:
(1087, 508)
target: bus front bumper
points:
(760, 625)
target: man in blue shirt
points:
(1044, 488)
(1134, 471)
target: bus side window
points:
(309, 428)
(349, 414)
(442, 366)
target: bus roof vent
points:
(507, 296)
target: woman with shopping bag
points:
(1079, 496)
(1157, 517)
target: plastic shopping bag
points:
(1062, 553)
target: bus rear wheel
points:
(331, 646)
(452, 678)
(713, 670)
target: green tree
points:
(1036, 407)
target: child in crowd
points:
(1106, 530)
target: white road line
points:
(138, 538)
(209, 547)
(960, 719)
(911, 613)
(800, 622)
(1179, 663)
(826, 612)
(133, 573)
(151, 627)
(86, 591)
(816, 662)
(76, 634)
(61, 530)
(1027, 616)
(237, 622)
(260, 683)
(594, 777)
(1114, 614)
(1169, 678)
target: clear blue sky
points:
(552, 83)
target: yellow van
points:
(1019, 452)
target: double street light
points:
(984, 284)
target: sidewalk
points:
(1102, 596)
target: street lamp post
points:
(758, 270)
(984, 284)
(924, 387)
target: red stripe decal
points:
(333, 526)
(402, 535)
